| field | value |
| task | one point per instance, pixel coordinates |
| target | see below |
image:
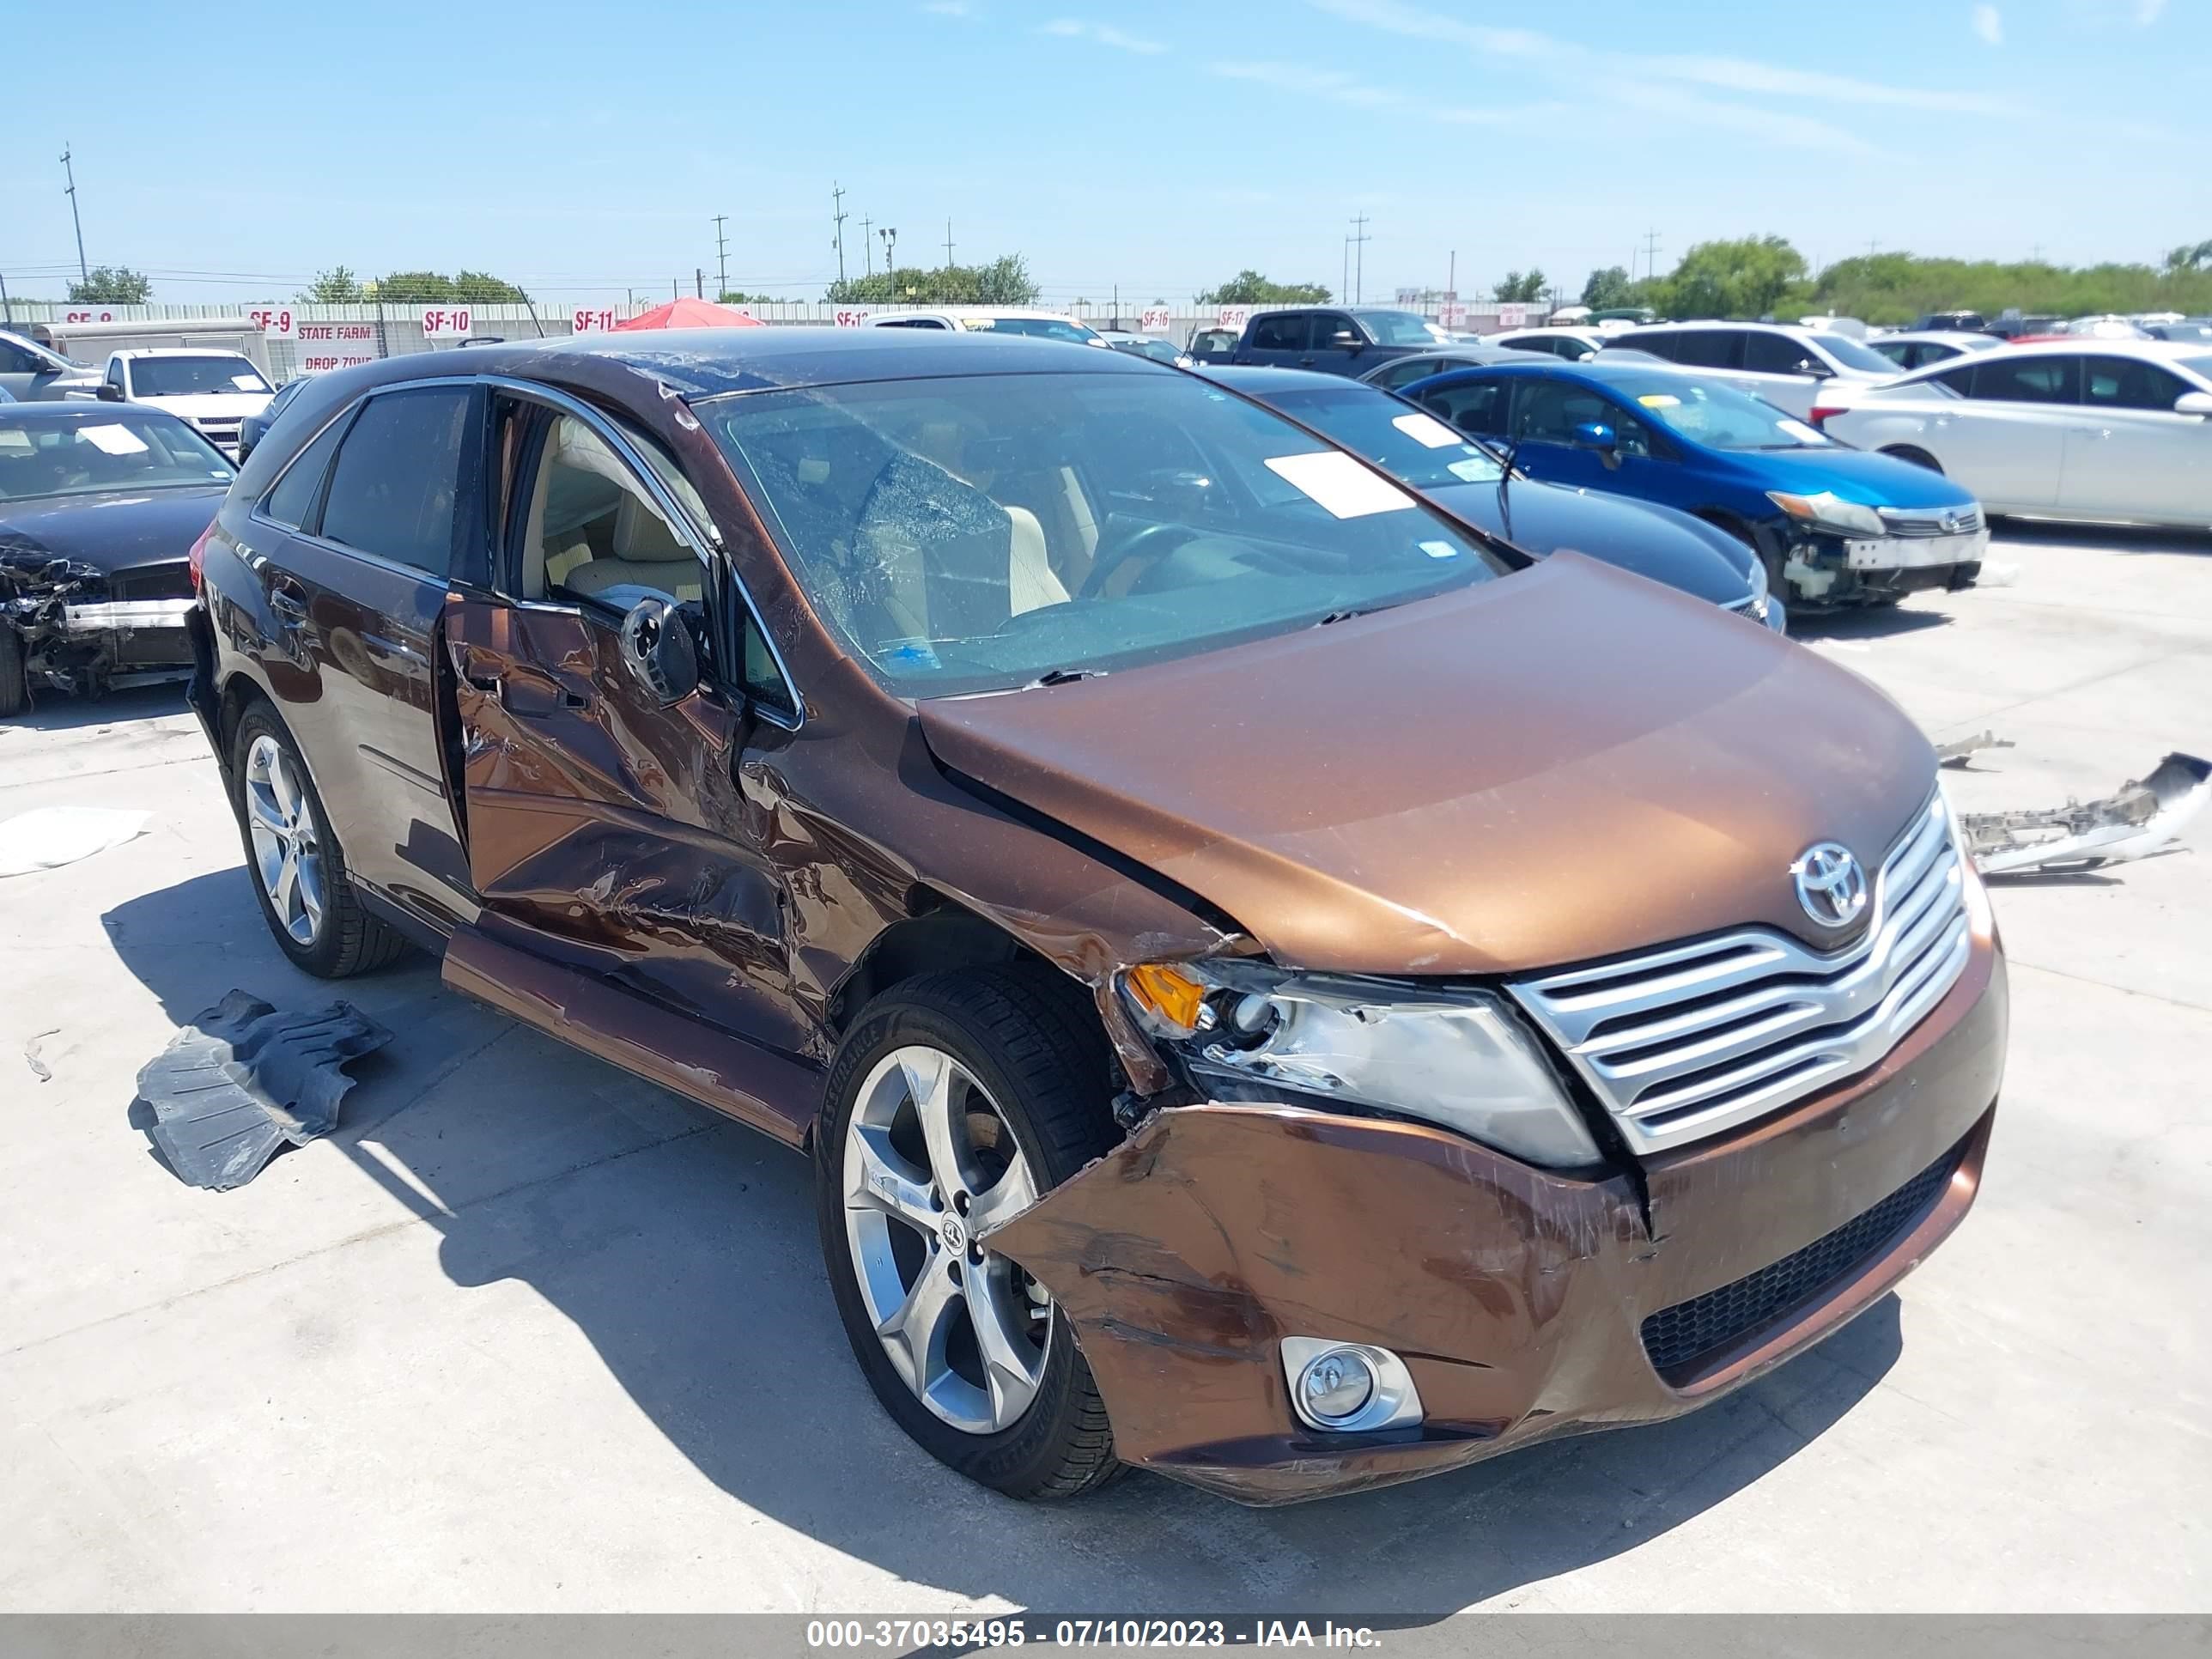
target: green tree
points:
(1005, 281)
(1517, 289)
(1741, 278)
(1248, 288)
(1608, 287)
(731, 296)
(338, 286)
(2190, 256)
(111, 285)
(432, 288)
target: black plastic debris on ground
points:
(245, 1078)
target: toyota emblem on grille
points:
(1830, 885)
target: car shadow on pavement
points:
(683, 1248)
(57, 711)
(1864, 623)
(2103, 538)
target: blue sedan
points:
(1833, 525)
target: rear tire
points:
(1021, 1056)
(294, 860)
(15, 689)
(1919, 458)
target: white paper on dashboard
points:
(114, 438)
(1341, 485)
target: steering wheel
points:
(1145, 540)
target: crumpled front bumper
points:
(1515, 1297)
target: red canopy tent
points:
(692, 314)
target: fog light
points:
(1336, 1387)
(1348, 1387)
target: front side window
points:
(1715, 414)
(592, 531)
(1403, 328)
(2128, 383)
(194, 377)
(1038, 328)
(1778, 354)
(2006, 379)
(117, 452)
(1333, 332)
(19, 360)
(978, 533)
(1478, 407)
(395, 483)
(1413, 447)
(1406, 370)
(1548, 412)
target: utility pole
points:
(70, 172)
(890, 240)
(722, 252)
(1650, 254)
(867, 247)
(1344, 288)
(948, 244)
(1359, 240)
(7, 310)
(1451, 281)
(837, 221)
(698, 282)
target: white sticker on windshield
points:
(16, 440)
(114, 438)
(1472, 470)
(1342, 486)
(247, 382)
(1803, 434)
(1427, 431)
(1660, 400)
(1438, 549)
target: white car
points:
(1790, 367)
(2102, 431)
(213, 391)
(994, 319)
(1576, 345)
(1917, 347)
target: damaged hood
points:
(1560, 765)
(113, 532)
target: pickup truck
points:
(1348, 340)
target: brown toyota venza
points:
(1278, 988)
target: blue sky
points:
(1159, 147)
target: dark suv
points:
(1337, 339)
(1169, 877)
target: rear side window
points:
(1708, 347)
(293, 498)
(2028, 380)
(1479, 409)
(1406, 370)
(394, 484)
(1778, 354)
(1663, 343)
(1280, 333)
(2128, 383)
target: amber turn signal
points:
(1167, 993)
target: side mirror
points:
(656, 644)
(1596, 434)
(2193, 403)
(109, 393)
(1815, 367)
(249, 434)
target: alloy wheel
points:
(929, 1162)
(286, 855)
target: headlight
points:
(1458, 1059)
(1826, 512)
(1758, 585)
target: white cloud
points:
(1396, 19)
(1331, 84)
(1989, 25)
(1102, 34)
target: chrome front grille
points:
(1686, 1041)
(1917, 521)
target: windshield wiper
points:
(1337, 616)
(1065, 677)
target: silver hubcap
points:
(286, 855)
(930, 1162)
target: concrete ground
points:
(526, 1333)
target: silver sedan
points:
(2102, 431)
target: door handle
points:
(288, 603)
(1305, 362)
(2091, 431)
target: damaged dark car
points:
(99, 508)
(1279, 989)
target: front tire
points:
(15, 689)
(954, 1102)
(294, 860)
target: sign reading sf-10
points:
(445, 322)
